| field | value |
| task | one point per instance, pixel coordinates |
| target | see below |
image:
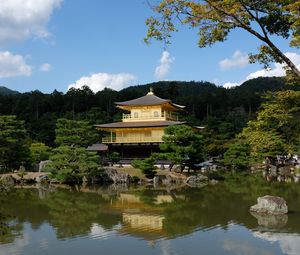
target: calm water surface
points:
(120, 220)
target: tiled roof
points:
(149, 99)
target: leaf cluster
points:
(216, 19)
(181, 145)
(14, 146)
(147, 166)
(69, 164)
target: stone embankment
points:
(111, 175)
(10, 179)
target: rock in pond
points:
(270, 205)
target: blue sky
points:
(55, 44)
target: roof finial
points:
(150, 91)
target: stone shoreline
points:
(110, 175)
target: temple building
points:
(142, 127)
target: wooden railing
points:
(162, 116)
(109, 139)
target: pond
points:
(214, 219)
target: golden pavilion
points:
(142, 126)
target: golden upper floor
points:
(149, 114)
(149, 108)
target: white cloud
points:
(100, 81)
(289, 243)
(13, 65)
(45, 67)
(237, 60)
(21, 19)
(276, 70)
(164, 65)
(229, 85)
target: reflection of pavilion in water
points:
(146, 222)
(142, 219)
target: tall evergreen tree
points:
(14, 149)
(79, 133)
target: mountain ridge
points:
(6, 91)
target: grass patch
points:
(137, 172)
(132, 172)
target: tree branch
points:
(241, 24)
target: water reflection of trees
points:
(9, 228)
(212, 206)
(229, 202)
(179, 212)
(71, 213)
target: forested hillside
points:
(6, 91)
(206, 104)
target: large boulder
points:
(112, 175)
(177, 169)
(197, 180)
(7, 181)
(270, 205)
(42, 165)
(162, 180)
(42, 178)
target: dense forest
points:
(242, 125)
(204, 101)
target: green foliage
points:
(280, 115)
(237, 157)
(114, 157)
(219, 132)
(202, 100)
(69, 164)
(181, 145)
(75, 132)
(21, 172)
(275, 131)
(223, 112)
(14, 150)
(263, 143)
(39, 152)
(135, 179)
(216, 19)
(147, 166)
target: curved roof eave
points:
(139, 124)
(144, 100)
(148, 100)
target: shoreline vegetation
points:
(128, 176)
